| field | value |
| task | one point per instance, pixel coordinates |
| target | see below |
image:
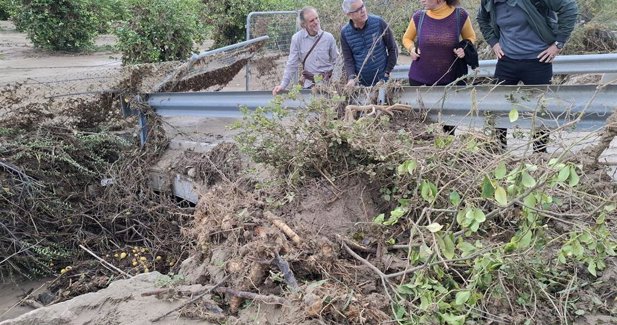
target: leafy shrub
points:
(65, 25)
(5, 10)
(227, 18)
(11, 10)
(108, 12)
(160, 30)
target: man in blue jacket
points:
(369, 48)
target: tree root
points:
(283, 227)
(376, 110)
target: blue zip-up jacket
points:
(369, 52)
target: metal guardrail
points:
(587, 106)
(563, 64)
(550, 106)
(217, 104)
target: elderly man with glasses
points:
(369, 48)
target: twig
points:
(423, 266)
(330, 181)
(19, 251)
(565, 304)
(288, 274)
(167, 290)
(283, 227)
(561, 316)
(23, 300)
(363, 261)
(507, 293)
(269, 299)
(356, 246)
(190, 301)
(105, 262)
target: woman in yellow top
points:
(432, 39)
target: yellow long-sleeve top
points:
(442, 12)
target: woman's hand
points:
(414, 53)
(459, 52)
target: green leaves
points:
(500, 171)
(160, 30)
(488, 190)
(451, 319)
(395, 215)
(428, 191)
(513, 115)
(565, 173)
(408, 167)
(462, 297)
(501, 196)
(60, 25)
(446, 245)
(470, 218)
(527, 180)
(455, 198)
(434, 227)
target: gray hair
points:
(347, 5)
(303, 12)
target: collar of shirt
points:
(305, 34)
(358, 28)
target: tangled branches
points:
(68, 179)
(454, 231)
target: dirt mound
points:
(366, 221)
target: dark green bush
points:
(5, 10)
(108, 14)
(60, 25)
(227, 18)
(11, 10)
(160, 30)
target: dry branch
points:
(283, 227)
(104, 262)
(269, 299)
(288, 274)
(190, 301)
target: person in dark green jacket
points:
(526, 36)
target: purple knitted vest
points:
(438, 39)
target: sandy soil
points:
(19, 62)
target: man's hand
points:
(351, 83)
(549, 54)
(276, 90)
(498, 51)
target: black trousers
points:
(530, 72)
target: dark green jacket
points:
(546, 27)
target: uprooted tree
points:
(386, 219)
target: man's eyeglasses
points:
(357, 10)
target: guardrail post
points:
(143, 129)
